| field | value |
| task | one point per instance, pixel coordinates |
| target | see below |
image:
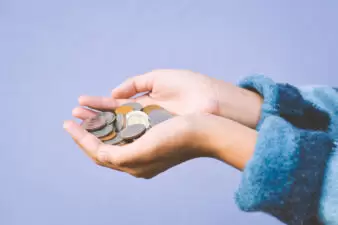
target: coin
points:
(120, 122)
(104, 131)
(109, 136)
(109, 117)
(94, 123)
(150, 108)
(137, 117)
(123, 109)
(159, 115)
(122, 143)
(133, 131)
(115, 141)
(135, 105)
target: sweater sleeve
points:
(292, 174)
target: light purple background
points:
(53, 51)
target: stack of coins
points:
(126, 123)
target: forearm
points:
(238, 104)
(228, 141)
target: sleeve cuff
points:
(286, 101)
(267, 89)
(285, 175)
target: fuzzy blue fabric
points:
(327, 99)
(286, 101)
(293, 174)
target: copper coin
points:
(104, 131)
(108, 137)
(122, 143)
(133, 131)
(158, 116)
(150, 108)
(123, 109)
(94, 123)
(135, 105)
(115, 141)
(109, 117)
(120, 122)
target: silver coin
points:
(137, 117)
(133, 131)
(120, 122)
(94, 123)
(115, 141)
(104, 131)
(109, 117)
(136, 106)
(158, 116)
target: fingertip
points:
(67, 124)
(83, 113)
(82, 99)
(73, 128)
(116, 92)
(76, 111)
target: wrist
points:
(238, 104)
(226, 140)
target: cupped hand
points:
(179, 91)
(165, 145)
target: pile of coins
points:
(126, 123)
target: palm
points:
(162, 147)
(181, 92)
(165, 140)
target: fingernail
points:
(81, 98)
(66, 125)
(75, 111)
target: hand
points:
(162, 147)
(170, 143)
(182, 92)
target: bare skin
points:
(182, 92)
(209, 123)
(187, 137)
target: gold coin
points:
(122, 143)
(123, 109)
(108, 137)
(150, 108)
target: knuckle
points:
(130, 79)
(81, 140)
(119, 162)
(102, 157)
(98, 163)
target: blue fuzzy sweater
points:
(293, 174)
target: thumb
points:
(133, 86)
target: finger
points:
(145, 100)
(138, 153)
(88, 142)
(83, 113)
(104, 155)
(133, 86)
(101, 103)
